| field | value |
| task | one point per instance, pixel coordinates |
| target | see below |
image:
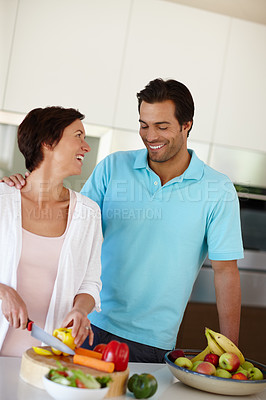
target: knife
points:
(46, 338)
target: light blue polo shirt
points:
(155, 241)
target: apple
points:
(243, 371)
(240, 376)
(212, 358)
(184, 362)
(222, 373)
(205, 368)
(255, 374)
(195, 364)
(247, 365)
(229, 361)
(175, 354)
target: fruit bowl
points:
(62, 392)
(214, 384)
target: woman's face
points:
(67, 156)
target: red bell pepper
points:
(100, 348)
(118, 353)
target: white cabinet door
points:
(173, 41)
(126, 140)
(241, 118)
(68, 53)
(8, 11)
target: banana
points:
(225, 344)
(200, 356)
(213, 345)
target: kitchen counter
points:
(169, 388)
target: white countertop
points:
(169, 388)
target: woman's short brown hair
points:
(43, 126)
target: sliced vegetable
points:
(77, 378)
(94, 363)
(88, 353)
(42, 351)
(65, 335)
(80, 384)
(118, 353)
(87, 380)
(104, 380)
(142, 386)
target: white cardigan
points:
(79, 267)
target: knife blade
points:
(40, 334)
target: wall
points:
(95, 55)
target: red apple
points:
(229, 361)
(240, 376)
(175, 354)
(205, 368)
(212, 358)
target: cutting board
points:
(34, 366)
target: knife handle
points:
(29, 325)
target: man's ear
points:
(186, 126)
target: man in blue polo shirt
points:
(163, 210)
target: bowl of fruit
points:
(220, 368)
(67, 384)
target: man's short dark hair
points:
(43, 126)
(159, 90)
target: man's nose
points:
(152, 134)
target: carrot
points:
(91, 362)
(89, 353)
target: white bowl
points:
(214, 384)
(62, 392)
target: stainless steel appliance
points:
(253, 267)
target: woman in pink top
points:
(50, 236)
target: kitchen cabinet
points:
(68, 53)
(241, 116)
(173, 41)
(242, 166)
(123, 140)
(8, 11)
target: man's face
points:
(161, 132)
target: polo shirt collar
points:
(194, 170)
(141, 160)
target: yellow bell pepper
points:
(42, 351)
(65, 335)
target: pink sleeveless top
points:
(36, 276)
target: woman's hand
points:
(15, 180)
(80, 325)
(13, 307)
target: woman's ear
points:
(47, 146)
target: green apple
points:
(247, 365)
(184, 362)
(243, 371)
(255, 374)
(222, 373)
(195, 364)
